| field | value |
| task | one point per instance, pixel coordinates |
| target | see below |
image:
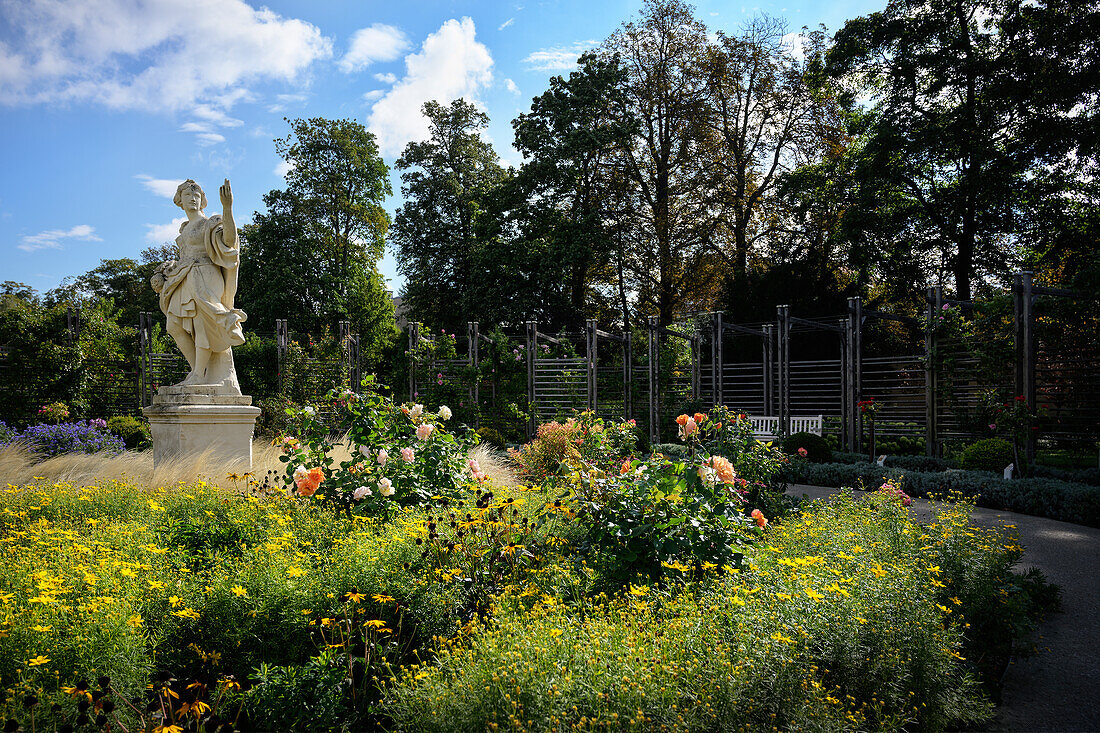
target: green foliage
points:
(275, 416)
(41, 365)
(133, 431)
(817, 450)
(991, 454)
(492, 437)
(298, 697)
(400, 452)
(257, 363)
(1040, 497)
(313, 257)
(446, 184)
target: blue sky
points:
(106, 106)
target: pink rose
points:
(424, 431)
(383, 456)
(407, 455)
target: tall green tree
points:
(312, 257)
(942, 132)
(670, 220)
(572, 188)
(767, 118)
(446, 183)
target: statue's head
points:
(191, 193)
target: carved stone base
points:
(188, 420)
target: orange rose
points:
(700, 417)
(307, 488)
(723, 468)
(718, 426)
(761, 520)
(626, 466)
(682, 420)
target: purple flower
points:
(54, 440)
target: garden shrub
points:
(47, 441)
(817, 450)
(492, 437)
(928, 464)
(585, 437)
(1089, 476)
(397, 456)
(990, 454)
(847, 620)
(274, 419)
(133, 431)
(1061, 500)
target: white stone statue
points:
(197, 290)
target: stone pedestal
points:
(187, 420)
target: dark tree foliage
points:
(572, 203)
(312, 258)
(970, 96)
(124, 281)
(447, 181)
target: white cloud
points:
(451, 64)
(558, 58)
(511, 86)
(373, 95)
(379, 42)
(210, 138)
(158, 55)
(160, 186)
(161, 233)
(282, 101)
(386, 78)
(51, 238)
(282, 168)
(506, 23)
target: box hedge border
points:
(1042, 497)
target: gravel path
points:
(1057, 689)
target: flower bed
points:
(637, 591)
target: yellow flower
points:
(135, 621)
(187, 613)
(814, 594)
(43, 629)
(37, 661)
(295, 572)
(378, 597)
(239, 591)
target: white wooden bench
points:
(767, 428)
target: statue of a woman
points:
(197, 290)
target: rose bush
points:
(432, 468)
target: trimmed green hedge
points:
(1041, 497)
(909, 463)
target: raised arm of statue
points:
(229, 227)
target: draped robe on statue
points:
(199, 291)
